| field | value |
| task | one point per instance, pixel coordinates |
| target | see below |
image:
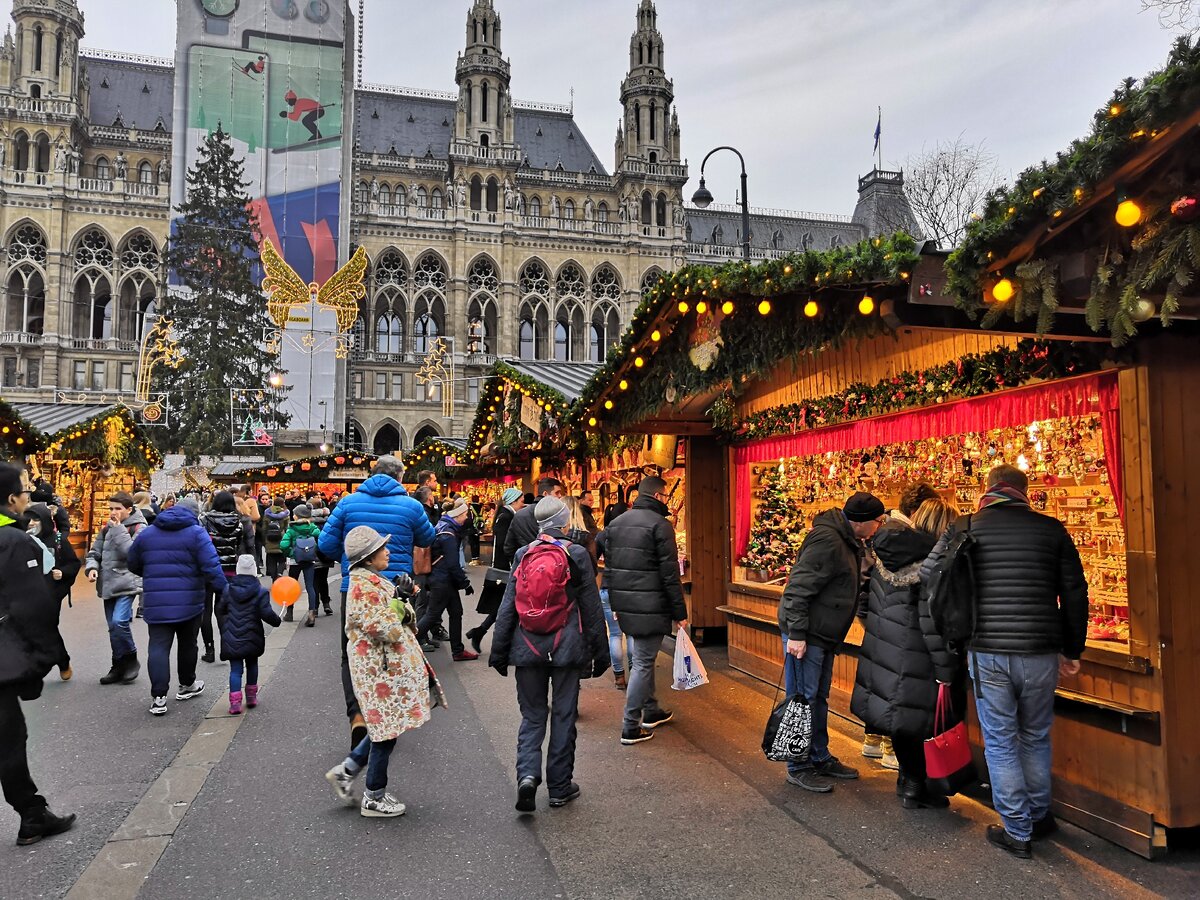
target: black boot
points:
(130, 669)
(115, 673)
(475, 636)
(209, 654)
(40, 824)
(288, 615)
(918, 796)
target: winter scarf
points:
(1002, 493)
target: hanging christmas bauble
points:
(1185, 208)
(1143, 310)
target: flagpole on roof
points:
(879, 140)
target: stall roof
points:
(51, 418)
(226, 469)
(568, 378)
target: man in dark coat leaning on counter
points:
(815, 615)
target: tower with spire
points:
(483, 122)
(649, 129)
(43, 59)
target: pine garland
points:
(970, 376)
(1164, 255)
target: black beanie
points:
(863, 507)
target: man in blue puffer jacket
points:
(177, 562)
(383, 504)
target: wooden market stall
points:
(86, 451)
(1062, 338)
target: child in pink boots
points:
(241, 610)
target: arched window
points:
(428, 322)
(136, 297)
(400, 199)
(570, 282)
(569, 210)
(807, 241)
(391, 269)
(435, 199)
(484, 143)
(27, 243)
(641, 54)
(653, 156)
(93, 306)
(93, 249)
(493, 194)
(42, 148)
(35, 91)
(483, 102)
(647, 208)
(650, 279)
(534, 280)
(424, 434)
(718, 234)
(103, 172)
(476, 193)
(605, 284)
(430, 272)
(362, 192)
(37, 48)
(354, 436)
(139, 252)
(385, 196)
(145, 173)
(483, 284)
(387, 440)
(637, 117)
(660, 210)
(470, 101)
(58, 46)
(604, 331)
(653, 111)
(25, 300)
(535, 207)
(561, 340)
(525, 334)
(21, 151)
(602, 212)
(777, 239)
(389, 324)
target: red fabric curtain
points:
(1051, 400)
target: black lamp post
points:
(703, 197)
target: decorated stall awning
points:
(702, 332)
(18, 437)
(1108, 231)
(108, 433)
(342, 465)
(437, 454)
(524, 403)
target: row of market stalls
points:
(1061, 337)
(86, 451)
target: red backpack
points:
(542, 578)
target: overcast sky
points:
(794, 84)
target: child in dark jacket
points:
(446, 578)
(244, 606)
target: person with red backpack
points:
(550, 628)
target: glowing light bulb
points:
(1128, 213)
(1003, 290)
(866, 305)
(764, 307)
(811, 308)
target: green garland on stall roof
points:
(501, 374)
(970, 376)
(34, 440)
(835, 278)
(94, 445)
(1166, 250)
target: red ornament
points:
(1185, 208)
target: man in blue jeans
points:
(117, 586)
(815, 614)
(1030, 627)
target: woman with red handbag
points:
(901, 662)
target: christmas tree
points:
(218, 311)
(778, 527)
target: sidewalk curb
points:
(123, 864)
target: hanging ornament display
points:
(1185, 209)
(706, 342)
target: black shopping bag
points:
(788, 735)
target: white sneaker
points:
(872, 751)
(342, 782)
(386, 807)
(159, 706)
(192, 690)
(889, 761)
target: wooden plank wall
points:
(1173, 365)
(707, 505)
(868, 362)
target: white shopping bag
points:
(689, 671)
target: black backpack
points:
(950, 588)
(274, 530)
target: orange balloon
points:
(285, 591)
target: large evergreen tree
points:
(219, 312)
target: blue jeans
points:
(235, 672)
(308, 571)
(375, 757)
(614, 636)
(1014, 698)
(811, 677)
(639, 696)
(118, 613)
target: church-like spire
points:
(651, 134)
(484, 118)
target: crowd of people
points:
(553, 620)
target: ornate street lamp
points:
(703, 197)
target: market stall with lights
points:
(327, 473)
(87, 451)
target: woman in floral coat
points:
(391, 678)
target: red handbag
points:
(949, 765)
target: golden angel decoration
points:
(287, 291)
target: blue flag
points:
(878, 125)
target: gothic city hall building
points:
(489, 222)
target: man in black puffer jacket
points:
(641, 561)
(1030, 626)
(30, 646)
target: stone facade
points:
(489, 222)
